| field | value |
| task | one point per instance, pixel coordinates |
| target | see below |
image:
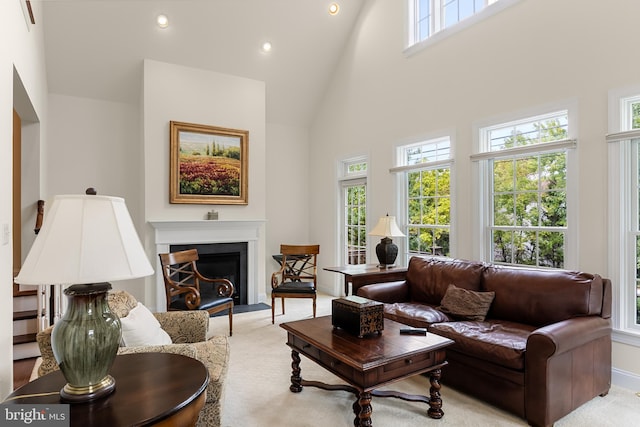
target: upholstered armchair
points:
(188, 332)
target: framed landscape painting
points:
(208, 164)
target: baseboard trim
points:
(625, 379)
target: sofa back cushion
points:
(541, 297)
(429, 277)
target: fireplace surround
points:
(170, 235)
(225, 261)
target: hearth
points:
(223, 260)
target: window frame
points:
(347, 179)
(482, 169)
(623, 144)
(413, 44)
(402, 171)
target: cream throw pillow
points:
(141, 328)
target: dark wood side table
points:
(364, 274)
(160, 389)
(367, 363)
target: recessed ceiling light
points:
(163, 21)
(266, 47)
(334, 8)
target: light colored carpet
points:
(257, 387)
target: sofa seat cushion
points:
(414, 314)
(499, 342)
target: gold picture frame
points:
(209, 164)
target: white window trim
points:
(401, 185)
(412, 48)
(480, 165)
(343, 185)
(344, 180)
(344, 164)
(619, 271)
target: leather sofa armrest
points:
(388, 292)
(564, 336)
(568, 358)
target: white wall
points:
(23, 49)
(178, 93)
(95, 143)
(533, 53)
(287, 190)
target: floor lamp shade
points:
(386, 250)
(85, 241)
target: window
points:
(432, 16)
(426, 176)
(354, 211)
(524, 196)
(624, 212)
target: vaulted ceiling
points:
(95, 48)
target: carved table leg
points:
(435, 401)
(356, 411)
(296, 380)
(365, 409)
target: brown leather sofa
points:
(544, 347)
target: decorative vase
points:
(85, 342)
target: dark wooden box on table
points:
(356, 315)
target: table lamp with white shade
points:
(386, 250)
(85, 241)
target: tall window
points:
(354, 211)
(525, 192)
(426, 173)
(624, 169)
(432, 16)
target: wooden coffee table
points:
(368, 363)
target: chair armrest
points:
(184, 326)
(387, 292)
(49, 363)
(277, 277)
(185, 349)
(223, 287)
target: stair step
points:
(26, 293)
(23, 315)
(23, 339)
(26, 351)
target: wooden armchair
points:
(187, 289)
(296, 277)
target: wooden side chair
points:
(187, 289)
(296, 277)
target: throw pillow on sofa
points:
(141, 328)
(465, 304)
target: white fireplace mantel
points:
(179, 232)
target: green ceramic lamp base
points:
(85, 342)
